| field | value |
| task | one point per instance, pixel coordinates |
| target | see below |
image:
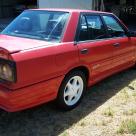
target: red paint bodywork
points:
(41, 66)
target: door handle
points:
(84, 51)
(116, 44)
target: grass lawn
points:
(115, 108)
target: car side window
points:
(91, 28)
(95, 27)
(83, 34)
(114, 28)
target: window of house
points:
(114, 28)
(91, 28)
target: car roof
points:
(72, 10)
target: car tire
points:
(71, 90)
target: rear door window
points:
(91, 28)
(95, 27)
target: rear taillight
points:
(7, 70)
(7, 67)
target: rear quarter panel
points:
(42, 64)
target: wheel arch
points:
(84, 69)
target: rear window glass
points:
(43, 25)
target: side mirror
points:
(131, 33)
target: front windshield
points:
(42, 25)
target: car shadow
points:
(47, 120)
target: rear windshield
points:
(42, 25)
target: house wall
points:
(77, 4)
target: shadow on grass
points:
(46, 120)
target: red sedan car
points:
(55, 54)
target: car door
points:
(124, 49)
(94, 48)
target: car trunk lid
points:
(16, 44)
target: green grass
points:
(130, 112)
(108, 112)
(125, 94)
(127, 126)
(134, 94)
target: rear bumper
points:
(16, 100)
